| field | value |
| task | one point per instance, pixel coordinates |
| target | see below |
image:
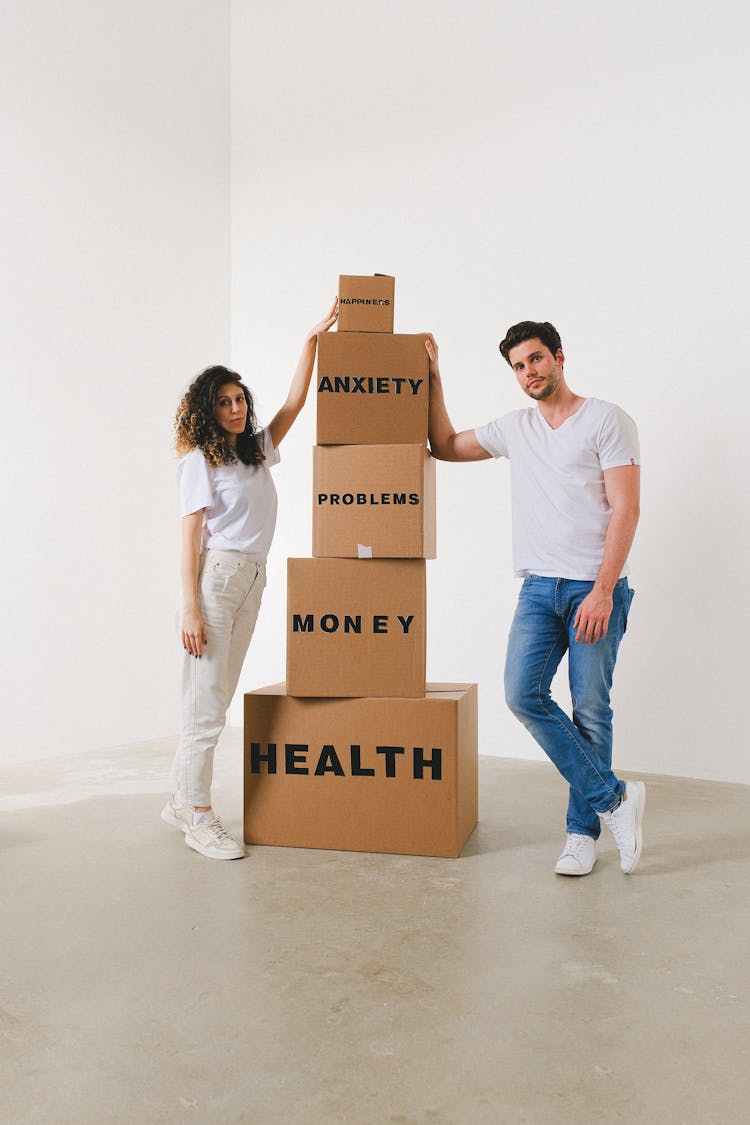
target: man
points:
(575, 481)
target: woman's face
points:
(230, 410)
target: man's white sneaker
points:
(626, 824)
(177, 815)
(210, 838)
(578, 856)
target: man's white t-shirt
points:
(240, 500)
(559, 505)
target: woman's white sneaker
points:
(626, 824)
(578, 856)
(209, 837)
(177, 815)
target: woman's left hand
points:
(327, 322)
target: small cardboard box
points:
(366, 775)
(366, 303)
(373, 501)
(372, 389)
(356, 627)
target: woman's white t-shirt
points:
(559, 504)
(240, 500)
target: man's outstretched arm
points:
(445, 443)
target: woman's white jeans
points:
(230, 587)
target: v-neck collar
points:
(570, 417)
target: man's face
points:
(537, 370)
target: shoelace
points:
(574, 845)
(217, 829)
(615, 827)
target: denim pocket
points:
(219, 573)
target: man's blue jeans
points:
(581, 748)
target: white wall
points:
(578, 162)
(115, 291)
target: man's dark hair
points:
(530, 330)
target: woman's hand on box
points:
(327, 322)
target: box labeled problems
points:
(373, 501)
(366, 303)
(356, 627)
(378, 775)
(372, 389)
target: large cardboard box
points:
(373, 501)
(356, 627)
(376, 775)
(372, 389)
(366, 303)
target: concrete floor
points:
(142, 983)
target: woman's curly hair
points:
(196, 427)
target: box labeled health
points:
(372, 775)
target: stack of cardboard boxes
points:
(356, 751)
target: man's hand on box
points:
(432, 351)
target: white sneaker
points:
(177, 815)
(210, 838)
(626, 824)
(578, 856)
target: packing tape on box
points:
(364, 552)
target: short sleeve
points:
(270, 452)
(492, 438)
(194, 483)
(618, 440)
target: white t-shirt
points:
(559, 505)
(240, 500)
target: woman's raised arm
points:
(295, 400)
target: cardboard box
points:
(372, 389)
(375, 775)
(366, 303)
(373, 501)
(356, 627)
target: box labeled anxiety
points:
(382, 775)
(372, 389)
(373, 501)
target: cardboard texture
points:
(355, 752)
(372, 389)
(356, 627)
(366, 303)
(376, 775)
(373, 501)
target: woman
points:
(228, 508)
